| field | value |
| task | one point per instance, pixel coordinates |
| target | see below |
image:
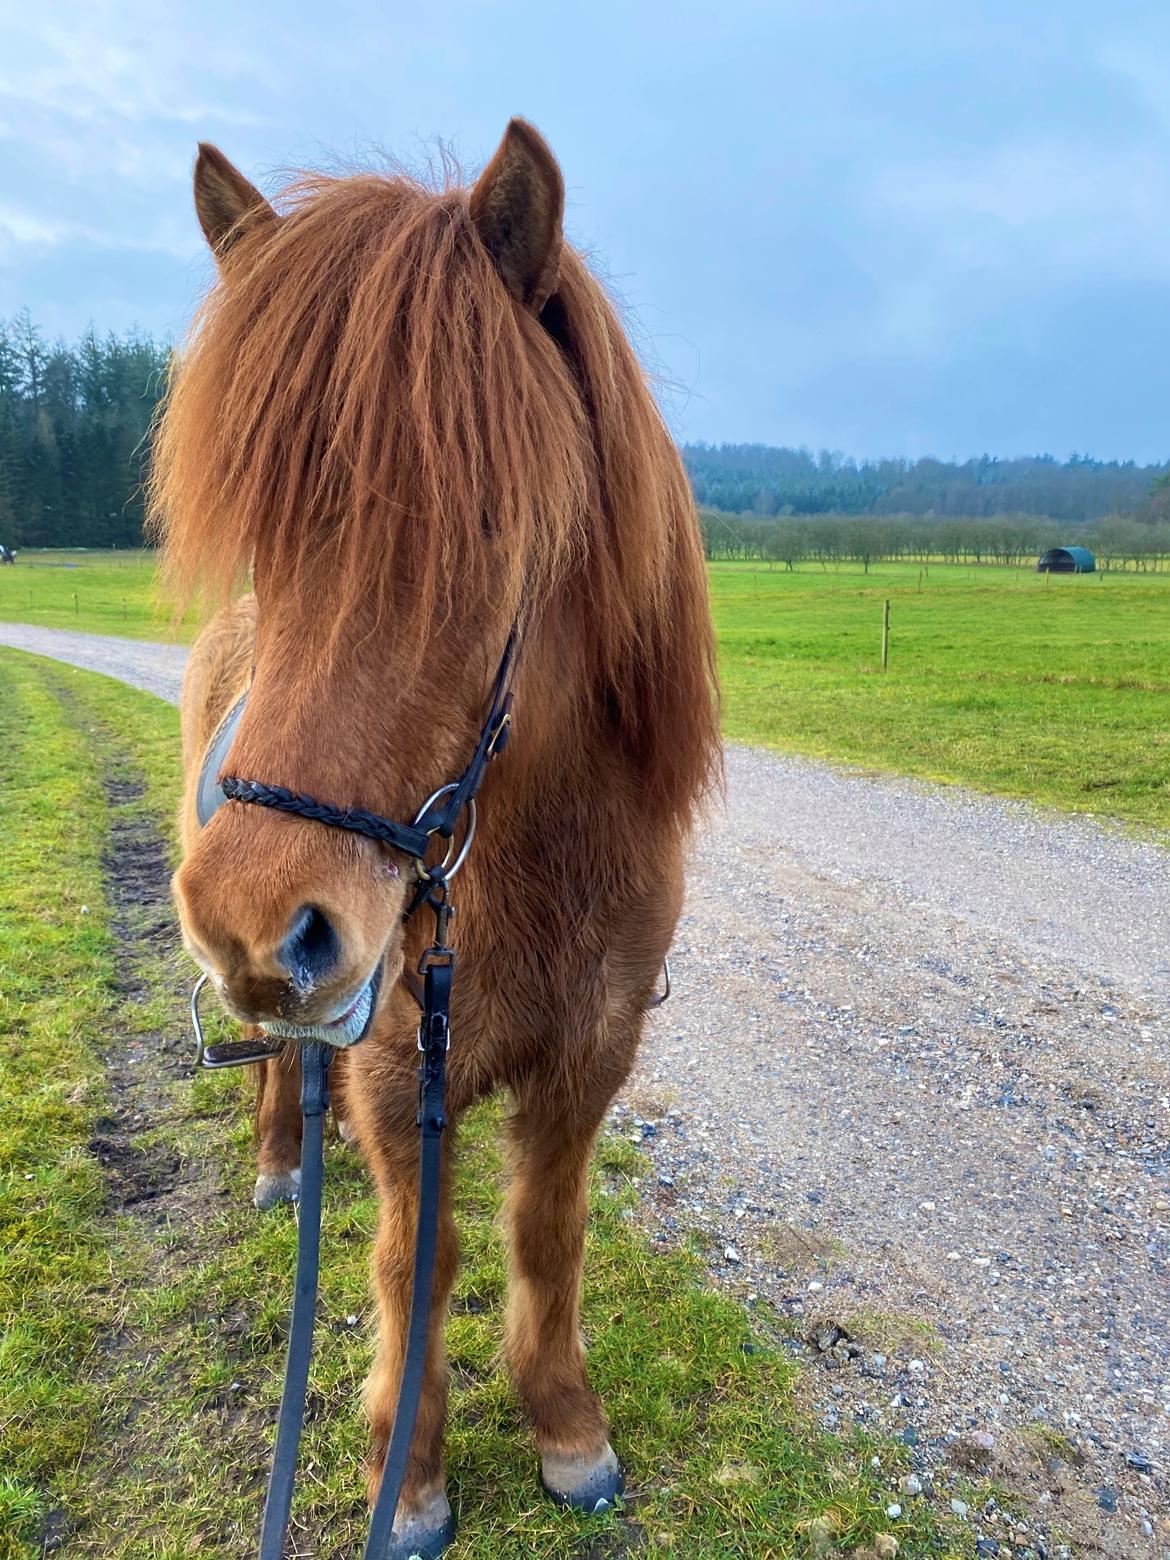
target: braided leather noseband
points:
(441, 811)
(413, 841)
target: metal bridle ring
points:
(454, 859)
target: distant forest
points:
(758, 479)
(826, 541)
(73, 436)
(75, 444)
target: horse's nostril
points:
(312, 947)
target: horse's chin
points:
(350, 1027)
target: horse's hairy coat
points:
(386, 417)
(362, 393)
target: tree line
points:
(75, 426)
(762, 480)
(1117, 541)
(74, 436)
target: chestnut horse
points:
(413, 418)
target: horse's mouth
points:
(347, 1028)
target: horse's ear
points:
(227, 204)
(517, 204)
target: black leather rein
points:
(439, 815)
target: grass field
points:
(1055, 688)
(1050, 687)
(98, 592)
(143, 1301)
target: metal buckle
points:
(499, 735)
(435, 955)
(422, 1044)
(230, 1053)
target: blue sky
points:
(877, 226)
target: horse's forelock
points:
(361, 394)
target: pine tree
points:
(74, 436)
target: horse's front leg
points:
(278, 1121)
(424, 1525)
(552, 1139)
(277, 1126)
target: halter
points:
(439, 815)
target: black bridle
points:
(439, 815)
(441, 811)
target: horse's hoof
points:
(589, 1484)
(281, 1186)
(425, 1534)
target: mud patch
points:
(135, 1173)
(143, 1173)
(140, 1171)
(137, 881)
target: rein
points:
(439, 815)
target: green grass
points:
(1056, 691)
(1054, 688)
(96, 592)
(56, 964)
(144, 1339)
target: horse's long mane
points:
(361, 395)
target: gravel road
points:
(913, 1094)
(155, 668)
